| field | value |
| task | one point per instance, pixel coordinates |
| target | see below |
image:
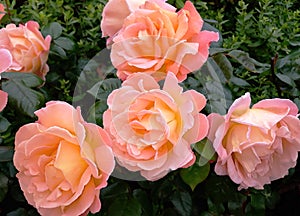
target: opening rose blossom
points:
(2, 11)
(152, 129)
(155, 39)
(27, 48)
(63, 161)
(256, 145)
(113, 15)
(116, 11)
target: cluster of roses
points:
(63, 161)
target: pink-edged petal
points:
(2, 12)
(3, 100)
(199, 129)
(141, 82)
(215, 121)
(6, 60)
(260, 118)
(239, 106)
(195, 22)
(171, 86)
(277, 104)
(52, 114)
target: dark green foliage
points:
(259, 52)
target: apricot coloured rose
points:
(63, 162)
(27, 48)
(152, 129)
(256, 145)
(156, 40)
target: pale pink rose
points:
(152, 128)
(2, 11)
(157, 40)
(114, 14)
(63, 161)
(27, 48)
(256, 145)
(3, 100)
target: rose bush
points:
(155, 39)
(63, 162)
(27, 48)
(152, 128)
(256, 145)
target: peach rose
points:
(2, 11)
(156, 40)
(256, 145)
(114, 14)
(63, 162)
(3, 100)
(27, 48)
(152, 128)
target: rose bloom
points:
(115, 12)
(63, 161)
(155, 39)
(2, 11)
(27, 48)
(256, 145)
(152, 128)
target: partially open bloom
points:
(113, 15)
(116, 11)
(3, 100)
(152, 128)
(27, 49)
(155, 39)
(2, 11)
(256, 145)
(63, 162)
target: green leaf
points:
(286, 79)
(96, 111)
(4, 124)
(3, 186)
(239, 82)
(143, 199)
(257, 201)
(6, 153)
(102, 89)
(212, 69)
(215, 208)
(57, 50)
(65, 43)
(287, 59)
(224, 65)
(115, 190)
(195, 174)
(205, 149)
(19, 88)
(249, 63)
(182, 202)
(297, 102)
(125, 207)
(54, 29)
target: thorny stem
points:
(273, 76)
(8, 11)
